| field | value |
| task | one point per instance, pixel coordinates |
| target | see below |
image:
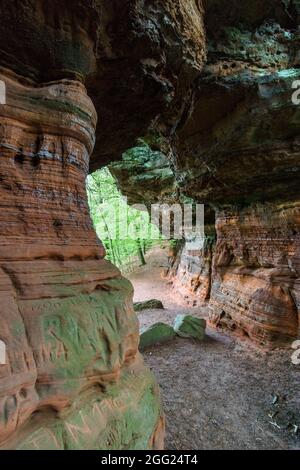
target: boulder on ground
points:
(188, 326)
(157, 333)
(148, 305)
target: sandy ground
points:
(218, 394)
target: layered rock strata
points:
(73, 377)
(236, 149)
(243, 135)
(215, 100)
(255, 280)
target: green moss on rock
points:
(188, 326)
(157, 333)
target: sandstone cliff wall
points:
(235, 148)
(208, 86)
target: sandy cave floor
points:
(218, 394)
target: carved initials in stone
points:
(74, 429)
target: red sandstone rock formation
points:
(66, 313)
(230, 133)
(249, 276)
(255, 281)
(236, 149)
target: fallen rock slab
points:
(157, 333)
(148, 305)
(188, 326)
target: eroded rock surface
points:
(66, 313)
(255, 284)
(236, 149)
(74, 377)
(208, 86)
(244, 134)
(189, 326)
(156, 334)
(148, 305)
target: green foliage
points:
(125, 231)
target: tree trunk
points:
(140, 252)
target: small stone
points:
(157, 333)
(188, 326)
(148, 305)
(274, 399)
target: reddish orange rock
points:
(66, 313)
(255, 287)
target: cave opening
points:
(124, 229)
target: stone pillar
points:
(73, 377)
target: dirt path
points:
(218, 394)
